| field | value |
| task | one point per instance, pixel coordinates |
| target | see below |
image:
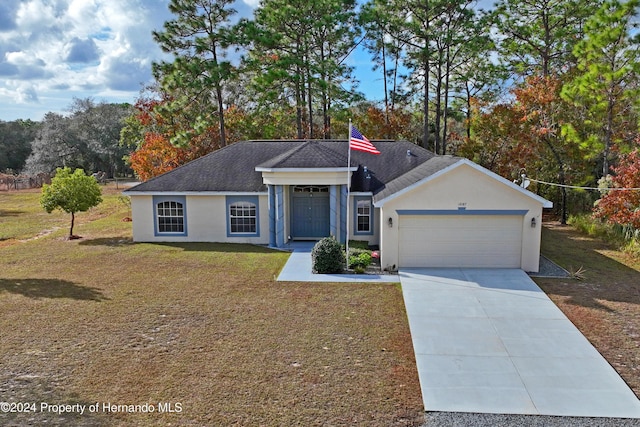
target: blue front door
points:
(309, 212)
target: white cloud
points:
(38, 17)
(54, 50)
(20, 93)
(26, 95)
(50, 49)
(26, 65)
(82, 13)
(252, 3)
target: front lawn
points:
(202, 329)
(605, 304)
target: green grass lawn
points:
(103, 320)
(205, 327)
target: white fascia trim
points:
(545, 203)
(316, 170)
(361, 193)
(195, 193)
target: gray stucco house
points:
(420, 208)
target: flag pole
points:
(348, 191)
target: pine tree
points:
(605, 87)
(198, 38)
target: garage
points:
(469, 240)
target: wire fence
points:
(23, 182)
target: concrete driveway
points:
(490, 341)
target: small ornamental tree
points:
(71, 192)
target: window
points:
(170, 215)
(242, 216)
(364, 216)
(310, 189)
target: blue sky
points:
(54, 50)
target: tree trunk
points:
(299, 119)
(73, 218)
(468, 124)
(438, 106)
(223, 137)
(299, 104)
(608, 137)
(327, 122)
(395, 84)
(445, 112)
(427, 59)
(307, 70)
(561, 178)
(425, 125)
(327, 112)
(546, 56)
(218, 83)
(326, 131)
(425, 135)
(310, 102)
(386, 90)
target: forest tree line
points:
(88, 137)
(546, 88)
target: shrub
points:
(633, 247)
(327, 256)
(593, 227)
(358, 244)
(624, 237)
(359, 260)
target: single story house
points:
(421, 209)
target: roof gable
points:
(415, 176)
(311, 154)
(545, 203)
(439, 166)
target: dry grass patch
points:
(203, 325)
(605, 303)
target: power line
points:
(582, 188)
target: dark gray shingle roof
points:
(313, 154)
(232, 168)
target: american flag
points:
(358, 141)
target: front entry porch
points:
(310, 212)
(306, 212)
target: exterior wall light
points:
(533, 223)
(390, 222)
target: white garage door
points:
(460, 241)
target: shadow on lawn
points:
(107, 241)
(219, 247)
(185, 246)
(4, 212)
(50, 288)
(604, 278)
